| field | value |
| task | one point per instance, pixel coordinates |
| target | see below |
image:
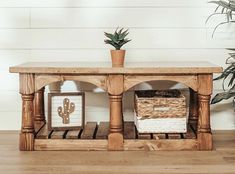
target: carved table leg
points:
(27, 128)
(204, 130)
(39, 114)
(116, 123)
(193, 109)
(115, 89)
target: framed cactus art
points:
(66, 111)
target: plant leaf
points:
(231, 80)
(224, 4)
(217, 8)
(108, 35)
(222, 96)
(225, 73)
(222, 23)
(120, 31)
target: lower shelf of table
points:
(95, 137)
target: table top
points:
(106, 68)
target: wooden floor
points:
(221, 160)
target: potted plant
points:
(226, 8)
(117, 40)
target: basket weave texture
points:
(160, 104)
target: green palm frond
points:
(227, 74)
(226, 8)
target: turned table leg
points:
(27, 128)
(39, 114)
(204, 134)
(193, 109)
(116, 123)
(115, 89)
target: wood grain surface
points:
(104, 68)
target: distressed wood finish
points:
(188, 80)
(193, 109)
(42, 80)
(27, 128)
(39, 112)
(143, 136)
(115, 81)
(174, 136)
(191, 133)
(115, 90)
(204, 130)
(38, 125)
(73, 134)
(153, 145)
(63, 144)
(136, 145)
(43, 132)
(57, 134)
(103, 130)
(106, 68)
(129, 130)
(27, 83)
(89, 130)
(151, 142)
(159, 136)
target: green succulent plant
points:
(223, 8)
(117, 39)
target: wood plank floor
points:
(219, 161)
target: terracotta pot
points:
(118, 57)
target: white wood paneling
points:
(217, 56)
(12, 57)
(102, 3)
(10, 120)
(10, 101)
(165, 17)
(109, 17)
(9, 81)
(222, 115)
(14, 18)
(93, 38)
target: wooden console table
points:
(35, 76)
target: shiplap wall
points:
(72, 30)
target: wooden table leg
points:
(204, 134)
(39, 114)
(115, 89)
(193, 109)
(116, 123)
(27, 128)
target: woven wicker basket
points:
(160, 104)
